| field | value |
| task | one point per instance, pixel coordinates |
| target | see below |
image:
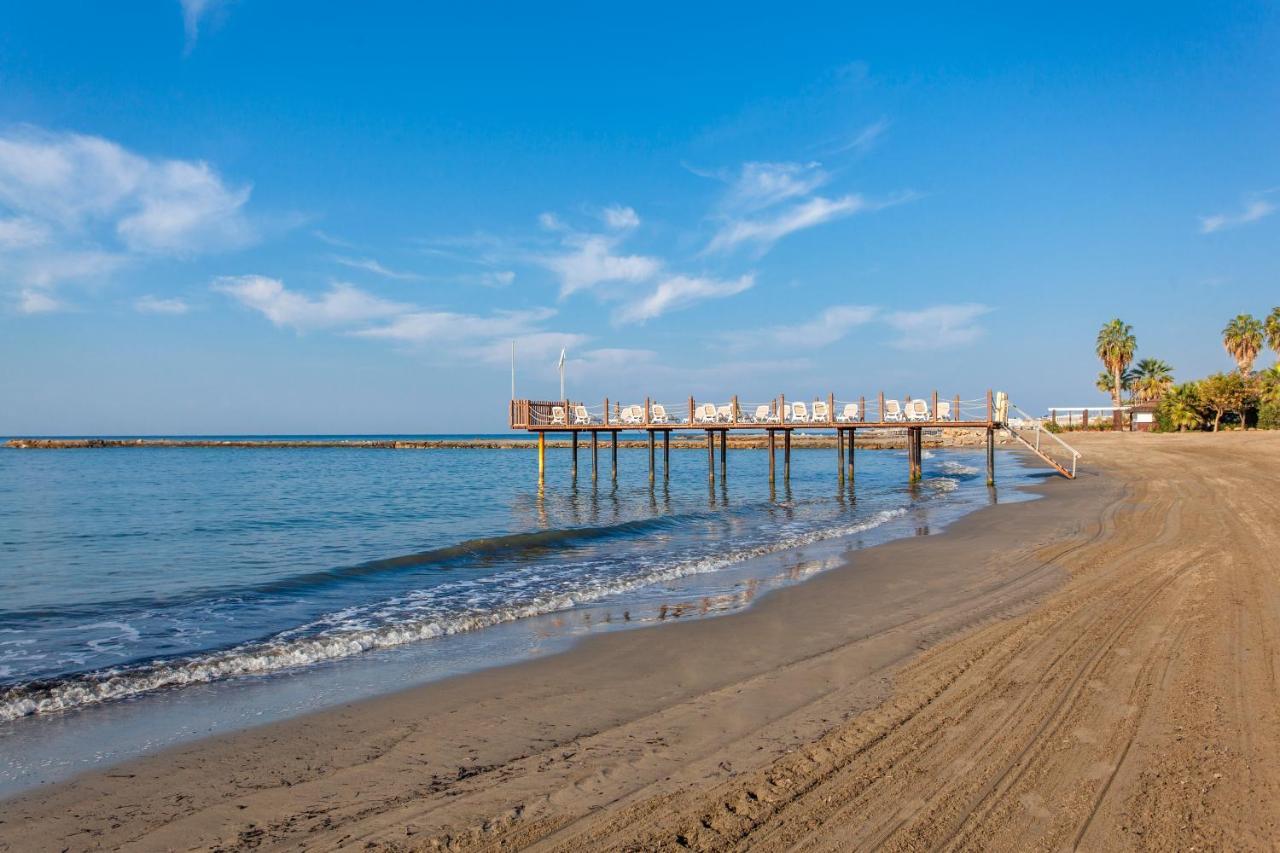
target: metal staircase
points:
(1029, 433)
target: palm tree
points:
(1272, 328)
(1116, 345)
(1182, 407)
(1243, 339)
(1152, 379)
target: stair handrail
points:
(1039, 428)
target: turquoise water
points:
(132, 574)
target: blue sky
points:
(286, 217)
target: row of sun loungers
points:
(792, 413)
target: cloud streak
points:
(680, 291)
(1254, 210)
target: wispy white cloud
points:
(192, 12)
(74, 185)
(37, 302)
(619, 217)
(761, 185)
(764, 231)
(680, 291)
(591, 259)
(420, 326)
(373, 266)
(160, 305)
(21, 232)
(1255, 208)
(831, 325)
(342, 306)
(78, 208)
(938, 326)
(866, 138)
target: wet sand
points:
(1097, 669)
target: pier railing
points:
(829, 412)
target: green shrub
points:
(1269, 415)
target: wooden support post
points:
(542, 453)
(782, 408)
(991, 456)
(606, 411)
(990, 407)
(862, 410)
(575, 454)
(786, 455)
(733, 411)
(831, 408)
(840, 452)
(853, 434)
(773, 443)
(666, 453)
(651, 460)
(614, 449)
(711, 454)
(691, 411)
(595, 461)
(935, 406)
(724, 450)
(955, 411)
(880, 414)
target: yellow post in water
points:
(542, 454)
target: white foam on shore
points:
(347, 633)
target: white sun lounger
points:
(821, 414)
(581, 415)
(557, 416)
(893, 411)
(632, 414)
(917, 410)
(764, 415)
(658, 413)
(799, 413)
(724, 413)
(705, 414)
(944, 410)
(849, 414)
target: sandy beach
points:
(1096, 670)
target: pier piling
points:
(773, 440)
(595, 462)
(991, 457)
(650, 456)
(786, 455)
(614, 448)
(666, 454)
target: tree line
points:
(1243, 397)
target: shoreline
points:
(588, 653)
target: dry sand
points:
(1096, 670)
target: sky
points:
(250, 217)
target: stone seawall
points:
(866, 440)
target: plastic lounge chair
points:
(944, 410)
(658, 413)
(724, 413)
(633, 414)
(705, 414)
(849, 414)
(557, 416)
(799, 413)
(917, 410)
(893, 411)
(581, 415)
(821, 414)
(764, 415)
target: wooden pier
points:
(775, 417)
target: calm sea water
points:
(127, 574)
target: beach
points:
(1093, 669)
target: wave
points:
(954, 468)
(296, 648)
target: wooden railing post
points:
(831, 408)
(955, 413)
(647, 420)
(782, 408)
(733, 411)
(881, 412)
(935, 405)
(690, 410)
(990, 413)
(606, 411)
(862, 413)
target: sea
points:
(152, 596)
